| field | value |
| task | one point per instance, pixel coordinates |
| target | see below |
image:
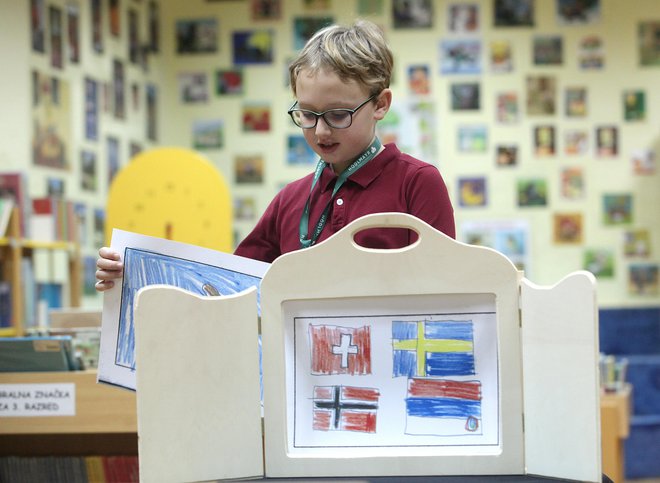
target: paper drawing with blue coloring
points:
(150, 261)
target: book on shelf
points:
(37, 354)
(52, 219)
(14, 185)
(5, 304)
(6, 207)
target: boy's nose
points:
(321, 126)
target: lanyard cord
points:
(363, 159)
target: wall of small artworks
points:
(542, 115)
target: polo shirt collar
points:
(366, 174)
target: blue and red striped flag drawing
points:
(443, 407)
(345, 408)
(432, 348)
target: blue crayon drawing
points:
(432, 348)
(143, 268)
(455, 407)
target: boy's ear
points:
(383, 103)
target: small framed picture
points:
(617, 209)
(197, 36)
(607, 141)
(249, 169)
(600, 262)
(568, 228)
(643, 279)
(465, 96)
(532, 192)
(472, 192)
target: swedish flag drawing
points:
(433, 348)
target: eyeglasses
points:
(335, 118)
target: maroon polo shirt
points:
(391, 182)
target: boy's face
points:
(325, 90)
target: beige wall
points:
(549, 262)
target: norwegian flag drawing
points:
(340, 350)
(345, 408)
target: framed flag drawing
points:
(392, 366)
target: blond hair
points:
(358, 53)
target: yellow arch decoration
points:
(172, 193)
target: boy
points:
(341, 82)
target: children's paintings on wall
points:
(572, 183)
(299, 152)
(591, 53)
(465, 96)
(513, 13)
(249, 169)
(229, 82)
(501, 60)
(51, 120)
(463, 18)
(460, 56)
(305, 27)
(532, 192)
(395, 378)
(419, 79)
(634, 105)
(575, 104)
(150, 261)
(38, 25)
(541, 95)
(208, 134)
(91, 110)
(509, 237)
(472, 192)
(600, 262)
(577, 12)
(193, 87)
(607, 141)
(412, 125)
(506, 155)
(548, 50)
(253, 47)
(507, 111)
(56, 40)
(197, 36)
(649, 50)
(73, 32)
(617, 209)
(643, 279)
(568, 228)
(408, 14)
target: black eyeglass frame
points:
(351, 112)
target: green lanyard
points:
(363, 159)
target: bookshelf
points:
(105, 420)
(13, 248)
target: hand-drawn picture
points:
(432, 348)
(443, 407)
(143, 268)
(395, 380)
(340, 350)
(149, 261)
(345, 408)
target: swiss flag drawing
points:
(340, 350)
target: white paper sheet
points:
(150, 261)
